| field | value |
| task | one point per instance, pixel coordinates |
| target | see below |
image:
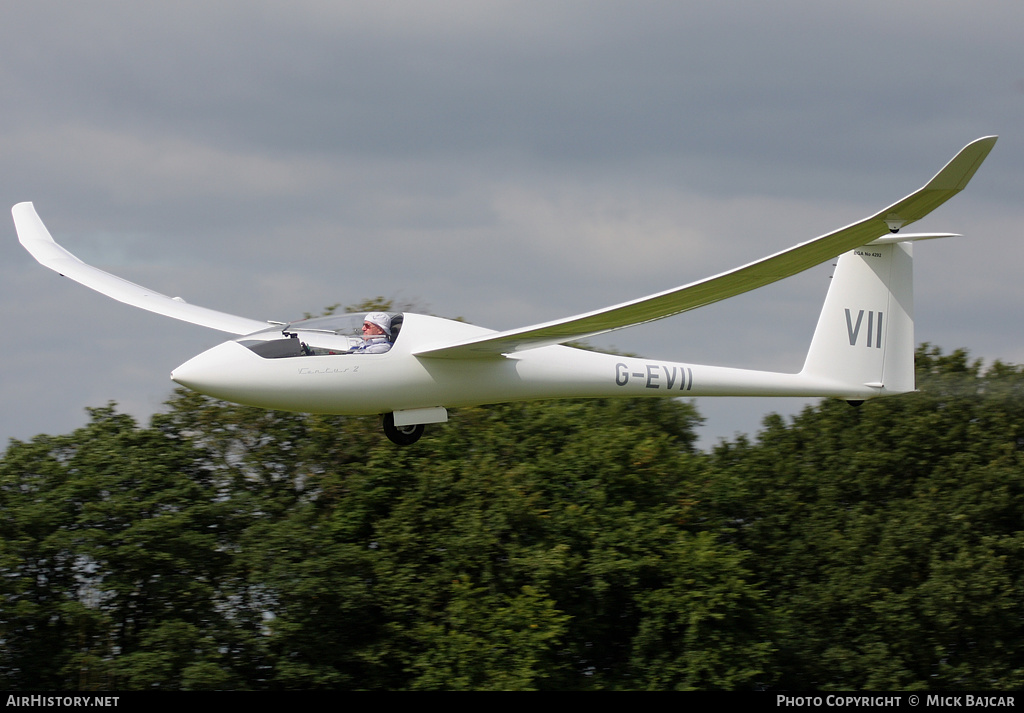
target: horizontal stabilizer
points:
(911, 237)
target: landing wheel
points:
(401, 435)
(855, 404)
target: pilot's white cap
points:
(381, 319)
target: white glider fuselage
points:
(398, 380)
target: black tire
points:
(401, 435)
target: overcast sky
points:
(506, 162)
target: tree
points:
(115, 544)
(889, 536)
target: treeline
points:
(562, 545)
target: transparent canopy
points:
(319, 336)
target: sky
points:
(504, 162)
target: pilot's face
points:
(371, 330)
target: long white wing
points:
(947, 183)
(37, 240)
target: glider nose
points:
(213, 371)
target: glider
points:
(862, 348)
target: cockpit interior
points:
(319, 336)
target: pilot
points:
(376, 334)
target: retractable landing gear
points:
(401, 435)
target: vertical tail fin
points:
(865, 334)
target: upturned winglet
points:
(38, 241)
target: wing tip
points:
(35, 237)
(956, 174)
(23, 209)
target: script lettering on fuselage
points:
(330, 370)
(656, 376)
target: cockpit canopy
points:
(319, 336)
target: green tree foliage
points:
(113, 544)
(889, 536)
(563, 545)
(520, 546)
